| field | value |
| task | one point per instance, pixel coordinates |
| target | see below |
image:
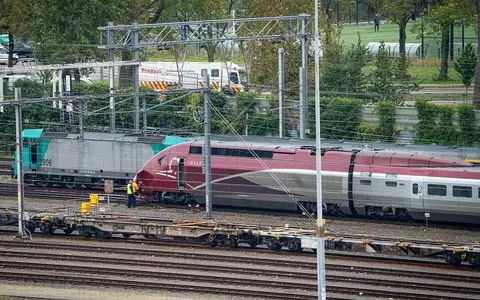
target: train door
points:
(416, 208)
(33, 154)
(181, 174)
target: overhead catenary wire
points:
(265, 166)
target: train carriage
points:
(367, 182)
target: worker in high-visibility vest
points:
(131, 195)
(136, 187)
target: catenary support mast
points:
(322, 292)
(281, 88)
(207, 170)
(18, 123)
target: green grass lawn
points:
(428, 74)
(424, 71)
(389, 33)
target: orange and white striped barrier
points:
(235, 89)
(157, 85)
(213, 84)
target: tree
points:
(443, 15)
(14, 15)
(476, 88)
(218, 109)
(465, 65)
(192, 10)
(399, 12)
(67, 31)
(343, 70)
(383, 79)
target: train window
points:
(462, 191)
(233, 152)
(162, 160)
(195, 150)
(391, 183)
(265, 154)
(365, 182)
(478, 192)
(219, 151)
(204, 72)
(367, 174)
(437, 190)
(242, 152)
(215, 73)
(415, 188)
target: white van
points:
(191, 74)
(4, 56)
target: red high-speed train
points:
(366, 182)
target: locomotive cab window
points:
(462, 191)
(162, 161)
(234, 77)
(204, 72)
(437, 190)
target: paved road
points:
(442, 90)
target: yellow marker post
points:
(85, 207)
(94, 199)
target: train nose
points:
(139, 176)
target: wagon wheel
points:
(104, 234)
(233, 242)
(84, 232)
(253, 243)
(277, 247)
(47, 228)
(69, 182)
(44, 181)
(126, 235)
(68, 230)
(274, 245)
(211, 241)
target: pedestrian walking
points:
(376, 23)
(131, 194)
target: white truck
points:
(226, 77)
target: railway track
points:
(271, 276)
(6, 165)
(10, 189)
(353, 256)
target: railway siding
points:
(216, 270)
(274, 238)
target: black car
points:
(22, 50)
